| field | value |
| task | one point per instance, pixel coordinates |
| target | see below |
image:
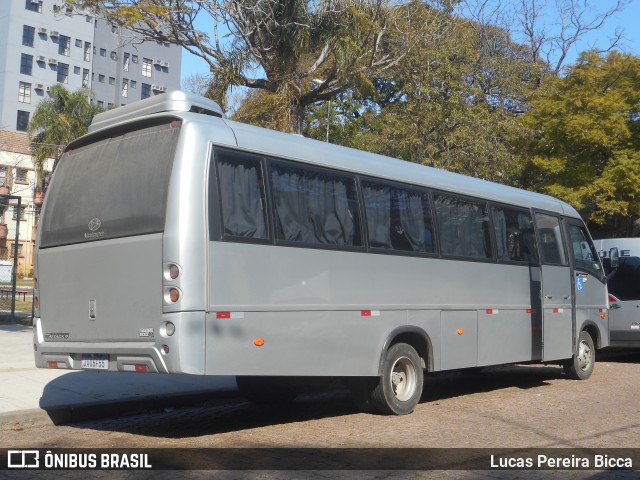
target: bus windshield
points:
(112, 188)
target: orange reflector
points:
(460, 331)
(141, 368)
(165, 348)
(174, 295)
(52, 364)
(603, 316)
(258, 342)
(223, 314)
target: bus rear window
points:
(112, 188)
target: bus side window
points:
(398, 218)
(551, 246)
(242, 194)
(584, 252)
(315, 206)
(515, 238)
(463, 226)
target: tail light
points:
(613, 299)
(171, 273)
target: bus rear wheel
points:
(580, 366)
(266, 390)
(400, 386)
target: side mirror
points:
(614, 257)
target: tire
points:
(266, 390)
(580, 366)
(400, 386)
(360, 389)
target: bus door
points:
(590, 291)
(556, 294)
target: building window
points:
(88, 19)
(24, 92)
(87, 51)
(63, 73)
(26, 64)
(76, 70)
(12, 246)
(146, 67)
(134, 58)
(114, 28)
(101, 78)
(85, 78)
(100, 104)
(23, 121)
(103, 52)
(28, 33)
(18, 214)
(64, 45)
(146, 91)
(125, 62)
(21, 175)
(113, 55)
(125, 87)
(134, 84)
(112, 81)
(33, 6)
(109, 106)
(78, 43)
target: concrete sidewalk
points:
(32, 396)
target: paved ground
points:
(504, 407)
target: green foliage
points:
(277, 46)
(450, 102)
(56, 121)
(585, 146)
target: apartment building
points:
(44, 42)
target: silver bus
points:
(174, 240)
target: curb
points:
(67, 414)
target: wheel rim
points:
(584, 356)
(403, 379)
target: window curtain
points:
(242, 196)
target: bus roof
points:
(194, 108)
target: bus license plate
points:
(95, 362)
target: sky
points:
(628, 20)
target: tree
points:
(450, 102)
(547, 29)
(57, 121)
(585, 146)
(279, 46)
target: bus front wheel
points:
(400, 386)
(580, 366)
